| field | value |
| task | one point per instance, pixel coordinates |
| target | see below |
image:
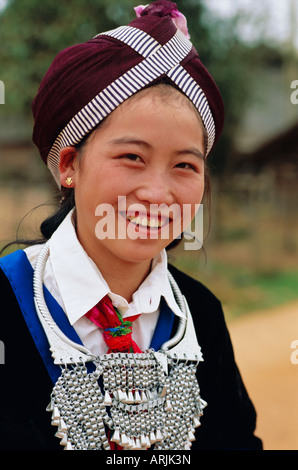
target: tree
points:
(33, 32)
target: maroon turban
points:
(86, 82)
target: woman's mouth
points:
(146, 221)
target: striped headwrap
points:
(86, 82)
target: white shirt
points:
(76, 283)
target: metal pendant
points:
(137, 405)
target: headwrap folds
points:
(86, 82)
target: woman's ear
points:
(67, 166)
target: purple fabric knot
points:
(163, 8)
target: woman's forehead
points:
(148, 118)
(159, 96)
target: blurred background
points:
(249, 258)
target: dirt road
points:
(262, 343)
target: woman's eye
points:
(187, 166)
(132, 157)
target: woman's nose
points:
(155, 188)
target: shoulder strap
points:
(19, 272)
(164, 326)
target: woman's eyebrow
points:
(192, 151)
(129, 140)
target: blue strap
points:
(19, 272)
(164, 326)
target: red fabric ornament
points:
(117, 332)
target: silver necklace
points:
(133, 400)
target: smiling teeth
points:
(145, 222)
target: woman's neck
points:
(124, 278)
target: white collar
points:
(87, 286)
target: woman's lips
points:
(147, 221)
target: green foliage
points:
(33, 32)
(241, 289)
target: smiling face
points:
(145, 158)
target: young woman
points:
(129, 352)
